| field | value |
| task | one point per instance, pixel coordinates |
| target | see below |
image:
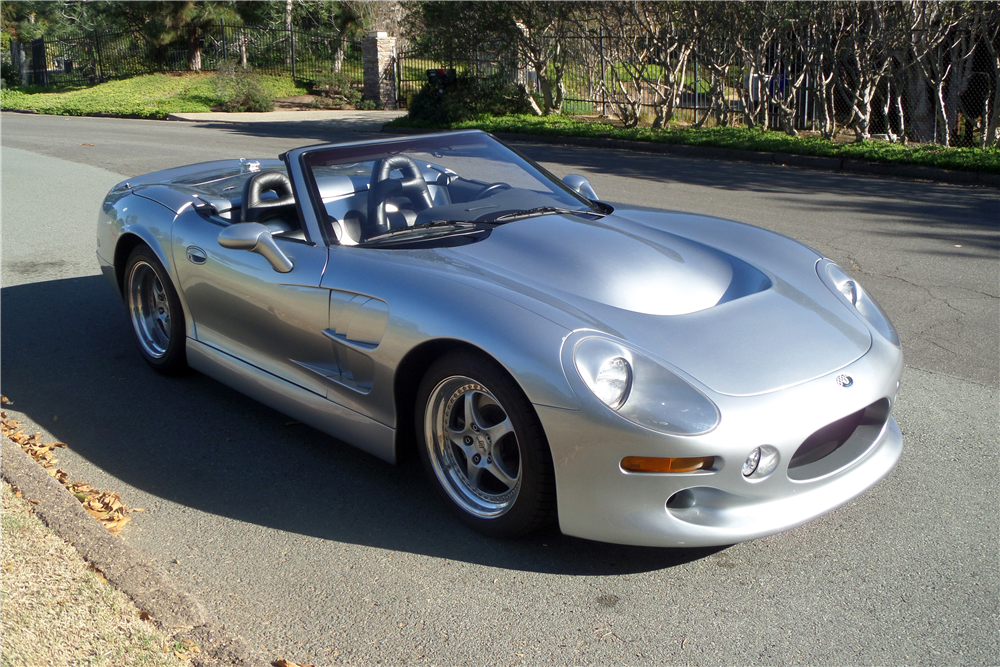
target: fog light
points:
(658, 464)
(761, 462)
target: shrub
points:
(468, 98)
(368, 105)
(240, 90)
(9, 74)
(338, 88)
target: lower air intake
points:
(838, 445)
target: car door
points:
(244, 307)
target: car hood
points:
(709, 309)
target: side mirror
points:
(255, 237)
(580, 186)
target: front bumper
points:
(598, 500)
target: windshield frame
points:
(304, 161)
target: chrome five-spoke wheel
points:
(154, 311)
(475, 451)
(483, 446)
(149, 310)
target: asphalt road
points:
(317, 552)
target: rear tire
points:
(155, 312)
(483, 447)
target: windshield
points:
(431, 186)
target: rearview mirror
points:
(580, 186)
(255, 237)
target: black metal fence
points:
(102, 56)
(412, 67)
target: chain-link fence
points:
(904, 71)
(784, 87)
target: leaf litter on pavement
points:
(105, 506)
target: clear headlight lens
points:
(642, 390)
(852, 292)
(613, 381)
(761, 462)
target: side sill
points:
(324, 415)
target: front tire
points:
(483, 447)
(155, 312)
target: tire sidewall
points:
(535, 502)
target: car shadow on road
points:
(68, 354)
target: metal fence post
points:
(39, 65)
(291, 41)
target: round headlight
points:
(761, 462)
(751, 463)
(613, 381)
(640, 389)
(862, 301)
(850, 290)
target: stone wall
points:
(378, 53)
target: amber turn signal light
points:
(658, 464)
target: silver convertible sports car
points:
(643, 377)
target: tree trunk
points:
(194, 49)
(920, 109)
(243, 51)
(288, 30)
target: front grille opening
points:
(837, 445)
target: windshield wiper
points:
(402, 231)
(544, 210)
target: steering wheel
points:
(489, 190)
(254, 208)
(381, 188)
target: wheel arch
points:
(409, 374)
(126, 244)
(129, 240)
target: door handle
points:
(196, 255)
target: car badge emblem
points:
(845, 380)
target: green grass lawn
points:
(967, 159)
(149, 96)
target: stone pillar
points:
(378, 56)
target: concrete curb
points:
(124, 567)
(916, 172)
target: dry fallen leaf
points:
(187, 647)
(143, 615)
(281, 662)
(98, 572)
(104, 506)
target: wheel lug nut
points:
(489, 459)
(468, 439)
(476, 459)
(475, 428)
